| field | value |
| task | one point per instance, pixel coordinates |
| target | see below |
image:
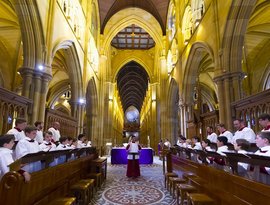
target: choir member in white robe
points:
(263, 142)
(39, 126)
(28, 145)
(222, 147)
(55, 131)
(223, 132)
(264, 121)
(133, 167)
(81, 141)
(6, 145)
(18, 130)
(167, 144)
(211, 135)
(47, 144)
(243, 132)
(242, 146)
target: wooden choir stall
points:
(223, 186)
(56, 176)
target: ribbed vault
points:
(132, 83)
(158, 8)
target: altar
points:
(119, 155)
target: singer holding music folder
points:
(133, 167)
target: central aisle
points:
(144, 190)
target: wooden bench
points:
(199, 199)
(81, 190)
(222, 187)
(47, 184)
(64, 201)
(182, 190)
(99, 165)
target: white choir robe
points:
(61, 159)
(45, 147)
(25, 147)
(39, 137)
(229, 136)
(18, 135)
(198, 146)
(5, 160)
(212, 137)
(220, 151)
(264, 151)
(55, 134)
(247, 134)
(243, 168)
(81, 144)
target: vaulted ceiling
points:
(158, 8)
(132, 84)
(133, 37)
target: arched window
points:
(94, 25)
(171, 22)
(169, 62)
(267, 82)
(198, 9)
(187, 23)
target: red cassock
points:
(133, 167)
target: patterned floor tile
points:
(148, 189)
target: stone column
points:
(227, 92)
(80, 118)
(221, 100)
(183, 118)
(237, 79)
(27, 75)
(43, 96)
(161, 96)
(36, 97)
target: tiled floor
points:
(144, 190)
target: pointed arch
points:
(132, 16)
(73, 68)
(235, 30)
(56, 92)
(187, 24)
(171, 20)
(128, 59)
(95, 23)
(265, 80)
(172, 104)
(191, 73)
(91, 109)
(32, 32)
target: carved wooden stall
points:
(49, 183)
(209, 119)
(12, 106)
(68, 124)
(251, 107)
(224, 187)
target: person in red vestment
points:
(133, 167)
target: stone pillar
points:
(27, 75)
(103, 105)
(183, 118)
(237, 79)
(161, 95)
(228, 112)
(81, 108)
(36, 97)
(43, 96)
(221, 100)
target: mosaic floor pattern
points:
(147, 189)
